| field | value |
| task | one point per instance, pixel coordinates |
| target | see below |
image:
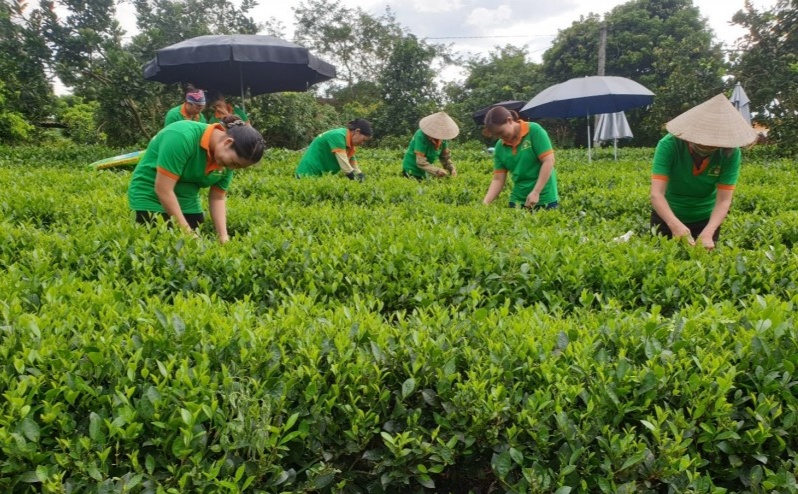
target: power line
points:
(490, 37)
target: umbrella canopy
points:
(233, 63)
(740, 101)
(585, 96)
(479, 115)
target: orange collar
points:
(350, 149)
(205, 143)
(185, 113)
(435, 142)
(524, 131)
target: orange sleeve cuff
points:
(338, 150)
(543, 155)
(164, 171)
(214, 187)
(499, 172)
(725, 187)
(419, 153)
(660, 177)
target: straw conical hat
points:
(439, 126)
(715, 123)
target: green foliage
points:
(14, 129)
(25, 90)
(768, 70)
(291, 120)
(356, 42)
(407, 86)
(79, 118)
(664, 45)
(504, 75)
(393, 336)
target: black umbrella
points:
(479, 115)
(233, 63)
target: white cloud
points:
(489, 17)
(437, 6)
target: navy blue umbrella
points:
(586, 96)
(233, 63)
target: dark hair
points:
(212, 96)
(247, 142)
(498, 115)
(360, 124)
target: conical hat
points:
(439, 126)
(715, 123)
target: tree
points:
(407, 85)
(292, 120)
(504, 74)
(768, 69)
(90, 56)
(356, 42)
(25, 91)
(663, 44)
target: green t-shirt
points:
(421, 144)
(233, 109)
(320, 158)
(524, 163)
(176, 115)
(179, 151)
(691, 191)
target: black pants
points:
(149, 218)
(406, 174)
(695, 228)
(551, 205)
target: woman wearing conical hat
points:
(695, 170)
(429, 144)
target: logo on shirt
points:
(526, 145)
(714, 171)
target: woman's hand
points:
(679, 230)
(532, 199)
(706, 241)
(223, 239)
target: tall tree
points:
(768, 69)
(91, 58)
(663, 44)
(407, 85)
(505, 74)
(26, 93)
(356, 42)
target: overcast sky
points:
(475, 27)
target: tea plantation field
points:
(394, 336)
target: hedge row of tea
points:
(394, 336)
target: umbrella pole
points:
(241, 80)
(589, 150)
(615, 145)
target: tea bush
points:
(394, 336)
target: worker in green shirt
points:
(431, 143)
(524, 151)
(334, 151)
(190, 110)
(182, 159)
(219, 107)
(695, 171)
